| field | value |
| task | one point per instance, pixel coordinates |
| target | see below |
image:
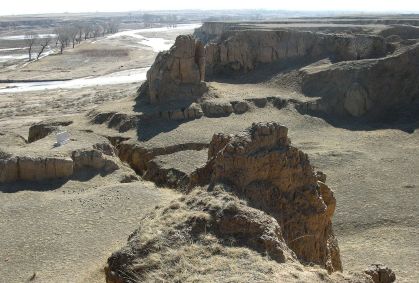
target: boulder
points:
(217, 109)
(380, 273)
(240, 107)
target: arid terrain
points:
(247, 205)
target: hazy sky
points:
(54, 6)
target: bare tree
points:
(87, 29)
(103, 28)
(63, 38)
(30, 40)
(72, 33)
(56, 37)
(113, 26)
(97, 30)
(44, 43)
(80, 29)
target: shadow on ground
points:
(83, 175)
(405, 119)
(147, 131)
(41, 186)
(263, 72)
(147, 128)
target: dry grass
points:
(104, 52)
(167, 248)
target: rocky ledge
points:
(43, 159)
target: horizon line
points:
(385, 12)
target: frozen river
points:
(121, 77)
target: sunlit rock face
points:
(243, 50)
(177, 74)
(261, 166)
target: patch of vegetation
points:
(105, 52)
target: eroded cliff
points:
(243, 50)
(177, 74)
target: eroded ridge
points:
(261, 166)
(256, 192)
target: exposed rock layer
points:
(178, 73)
(39, 168)
(368, 87)
(41, 160)
(243, 50)
(277, 178)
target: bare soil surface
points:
(66, 234)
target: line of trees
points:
(70, 35)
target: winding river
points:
(120, 77)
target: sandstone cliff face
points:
(39, 168)
(178, 73)
(243, 50)
(261, 166)
(368, 87)
(30, 168)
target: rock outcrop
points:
(261, 166)
(31, 168)
(177, 74)
(210, 220)
(369, 88)
(212, 236)
(286, 214)
(380, 273)
(39, 168)
(243, 50)
(42, 159)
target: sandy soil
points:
(66, 235)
